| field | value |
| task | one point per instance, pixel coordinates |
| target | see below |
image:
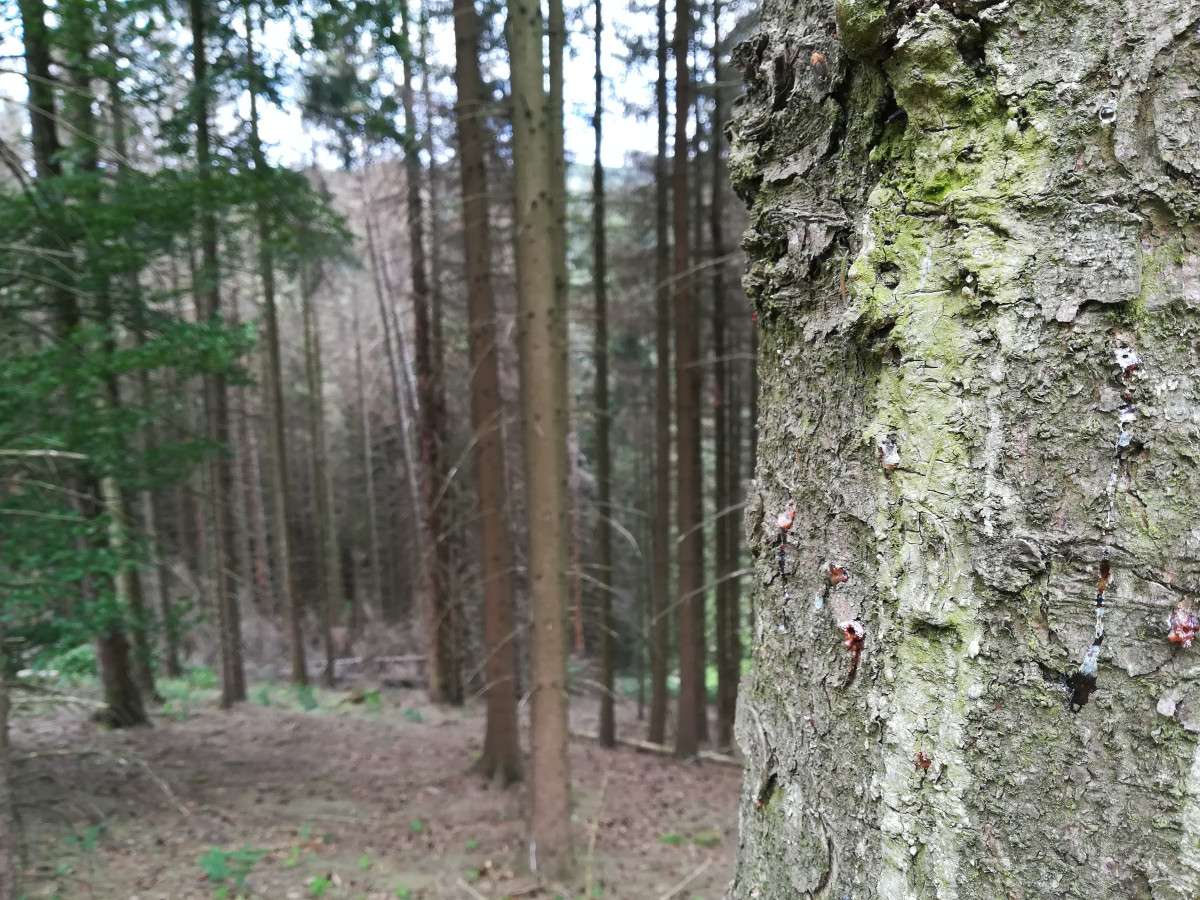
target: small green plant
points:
(706, 838)
(472, 844)
(263, 696)
(174, 713)
(87, 841)
(294, 858)
(306, 697)
(305, 831)
(364, 863)
(221, 866)
(412, 714)
(202, 678)
(74, 664)
(416, 826)
(673, 840)
(319, 885)
(403, 893)
(373, 701)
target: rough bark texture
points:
(960, 215)
(538, 312)
(501, 759)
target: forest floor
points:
(313, 795)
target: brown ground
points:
(370, 797)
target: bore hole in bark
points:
(767, 791)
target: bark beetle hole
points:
(767, 791)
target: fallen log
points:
(661, 749)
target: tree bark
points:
(690, 575)
(330, 592)
(501, 759)
(660, 646)
(974, 260)
(727, 668)
(216, 400)
(445, 679)
(538, 313)
(9, 849)
(604, 510)
(277, 455)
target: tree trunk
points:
(216, 400)
(690, 576)
(277, 455)
(660, 647)
(383, 290)
(501, 759)
(9, 848)
(445, 679)
(974, 259)
(538, 311)
(727, 669)
(556, 42)
(329, 579)
(604, 510)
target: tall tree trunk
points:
(374, 547)
(726, 670)
(383, 290)
(690, 576)
(501, 759)
(977, 289)
(604, 510)
(277, 452)
(329, 578)
(445, 679)
(538, 313)
(661, 513)
(216, 401)
(556, 42)
(9, 850)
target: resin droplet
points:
(1090, 660)
(784, 519)
(854, 638)
(838, 575)
(889, 454)
(1184, 626)
(923, 761)
(1108, 114)
(1127, 359)
(818, 64)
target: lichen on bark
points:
(952, 230)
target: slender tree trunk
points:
(501, 759)
(374, 547)
(661, 514)
(979, 368)
(722, 496)
(604, 510)
(556, 42)
(277, 451)
(216, 401)
(539, 312)
(445, 679)
(9, 838)
(394, 354)
(329, 578)
(686, 412)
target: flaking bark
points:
(957, 218)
